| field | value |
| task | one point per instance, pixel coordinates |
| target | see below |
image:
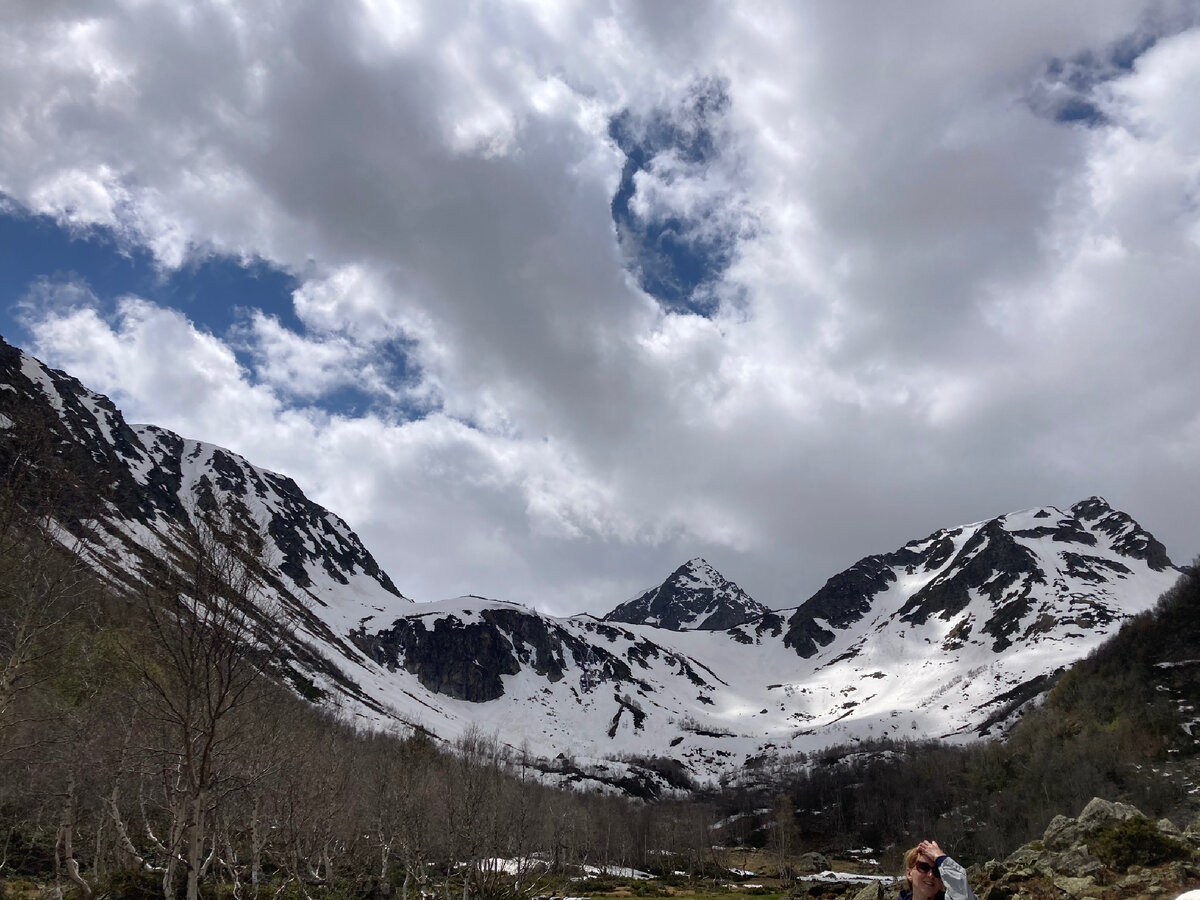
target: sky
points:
(546, 298)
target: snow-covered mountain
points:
(949, 636)
(952, 634)
(693, 596)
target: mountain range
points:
(950, 636)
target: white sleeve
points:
(954, 877)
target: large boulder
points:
(809, 863)
(1100, 813)
(1063, 832)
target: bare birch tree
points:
(206, 642)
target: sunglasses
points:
(925, 868)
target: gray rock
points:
(1060, 832)
(1166, 826)
(1074, 887)
(1076, 862)
(873, 891)
(1023, 857)
(1063, 832)
(1181, 871)
(812, 862)
(1022, 874)
(1101, 813)
(992, 869)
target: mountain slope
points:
(129, 497)
(1015, 598)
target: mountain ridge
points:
(950, 636)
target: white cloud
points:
(308, 368)
(942, 305)
(154, 364)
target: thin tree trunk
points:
(123, 836)
(195, 839)
(467, 879)
(255, 849)
(64, 847)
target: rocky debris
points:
(1111, 851)
(878, 890)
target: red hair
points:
(910, 860)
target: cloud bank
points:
(586, 290)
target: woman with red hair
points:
(932, 875)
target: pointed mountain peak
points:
(699, 571)
(1091, 509)
(694, 596)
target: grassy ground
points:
(767, 880)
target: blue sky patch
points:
(675, 261)
(216, 293)
(1066, 92)
(211, 291)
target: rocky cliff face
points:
(464, 652)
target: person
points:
(932, 875)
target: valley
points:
(207, 676)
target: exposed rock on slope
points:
(1111, 851)
(1011, 578)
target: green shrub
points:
(1134, 841)
(599, 884)
(29, 852)
(648, 889)
(131, 884)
